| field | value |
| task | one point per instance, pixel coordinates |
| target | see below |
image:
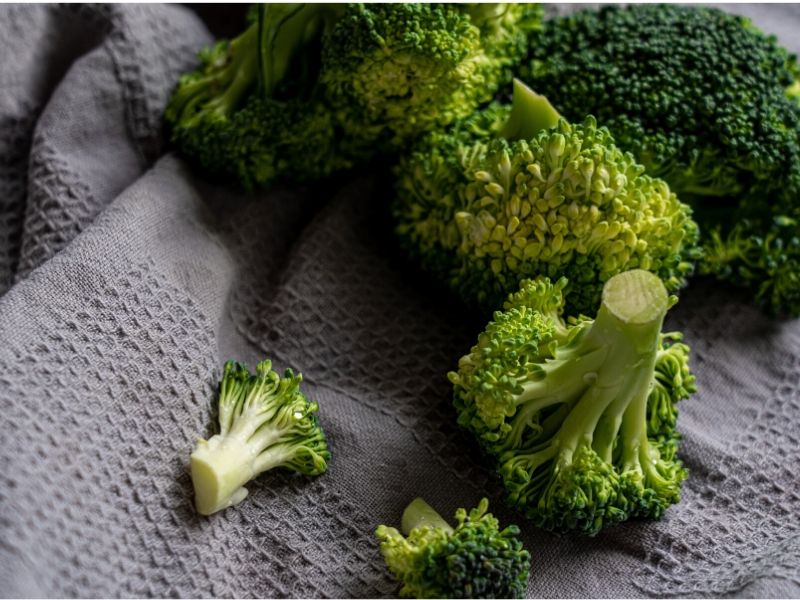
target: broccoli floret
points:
(704, 100)
(252, 111)
(765, 256)
(473, 560)
(394, 71)
(265, 422)
(483, 212)
(579, 416)
(311, 89)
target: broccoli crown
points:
(265, 422)
(705, 101)
(264, 141)
(484, 213)
(252, 110)
(579, 416)
(394, 71)
(476, 559)
(699, 96)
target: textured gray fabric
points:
(129, 282)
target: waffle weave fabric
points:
(126, 282)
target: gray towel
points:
(126, 282)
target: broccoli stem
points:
(283, 29)
(223, 464)
(233, 71)
(530, 114)
(484, 14)
(421, 514)
(628, 323)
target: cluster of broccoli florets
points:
(474, 559)
(311, 89)
(579, 415)
(637, 145)
(705, 101)
(485, 212)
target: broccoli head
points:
(484, 212)
(310, 89)
(252, 111)
(579, 415)
(265, 422)
(476, 559)
(702, 99)
(394, 71)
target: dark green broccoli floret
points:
(483, 212)
(704, 100)
(265, 422)
(765, 256)
(252, 111)
(476, 559)
(394, 71)
(579, 416)
(311, 89)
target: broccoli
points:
(579, 416)
(474, 560)
(253, 109)
(394, 71)
(705, 101)
(265, 422)
(483, 212)
(311, 89)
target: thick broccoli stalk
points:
(483, 212)
(395, 71)
(264, 422)
(473, 560)
(580, 416)
(705, 101)
(252, 110)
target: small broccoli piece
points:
(395, 71)
(483, 212)
(473, 560)
(579, 416)
(765, 257)
(705, 101)
(252, 111)
(265, 422)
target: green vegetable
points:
(709, 103)
(579, 416)
(473, 560)
(395, 71)
(253, 110)
(265, 422)
(311, 89)
(483, 212)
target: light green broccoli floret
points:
(559, 199)
(579, 415)
(265, 422)
(474, 559)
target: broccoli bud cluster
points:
(579, 415)
(485, 212)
